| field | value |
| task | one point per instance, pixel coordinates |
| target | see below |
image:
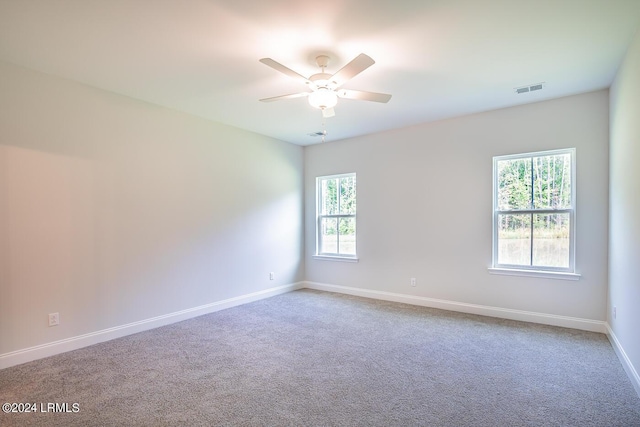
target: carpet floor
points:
(309, 358)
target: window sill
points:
(561, 275)
(335, 258)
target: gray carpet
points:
(311, 358)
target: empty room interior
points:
(218, 212)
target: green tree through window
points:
(336, 215)
(534, 211)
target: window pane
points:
(514, 184)
(551, 240)
(348, 195)
(336, 209)
(552, 181)
(347, 236)
(329, 235)
(329, 197)
(514, 239)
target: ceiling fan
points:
(325, 88)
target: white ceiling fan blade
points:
(285, 70)
(363, 96)
(328, 112)
(289, 96)
(352, 69)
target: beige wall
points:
(424, 207)
(113, 211)
(624, 214)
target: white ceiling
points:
(439, 58)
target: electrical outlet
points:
(272, 275)
(413, 281)
(615, 311)
(54, 319)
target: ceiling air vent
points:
(530, 88)
(319, 133)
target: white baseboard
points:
(50, 349)
(624, 359)
(503, 313)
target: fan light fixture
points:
(325, 89)
(323, 98)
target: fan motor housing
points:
(321, 80)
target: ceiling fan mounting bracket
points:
(322, 61)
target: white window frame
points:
(330, 255)
(533, 270)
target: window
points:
(336, 213)
(534, 211)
